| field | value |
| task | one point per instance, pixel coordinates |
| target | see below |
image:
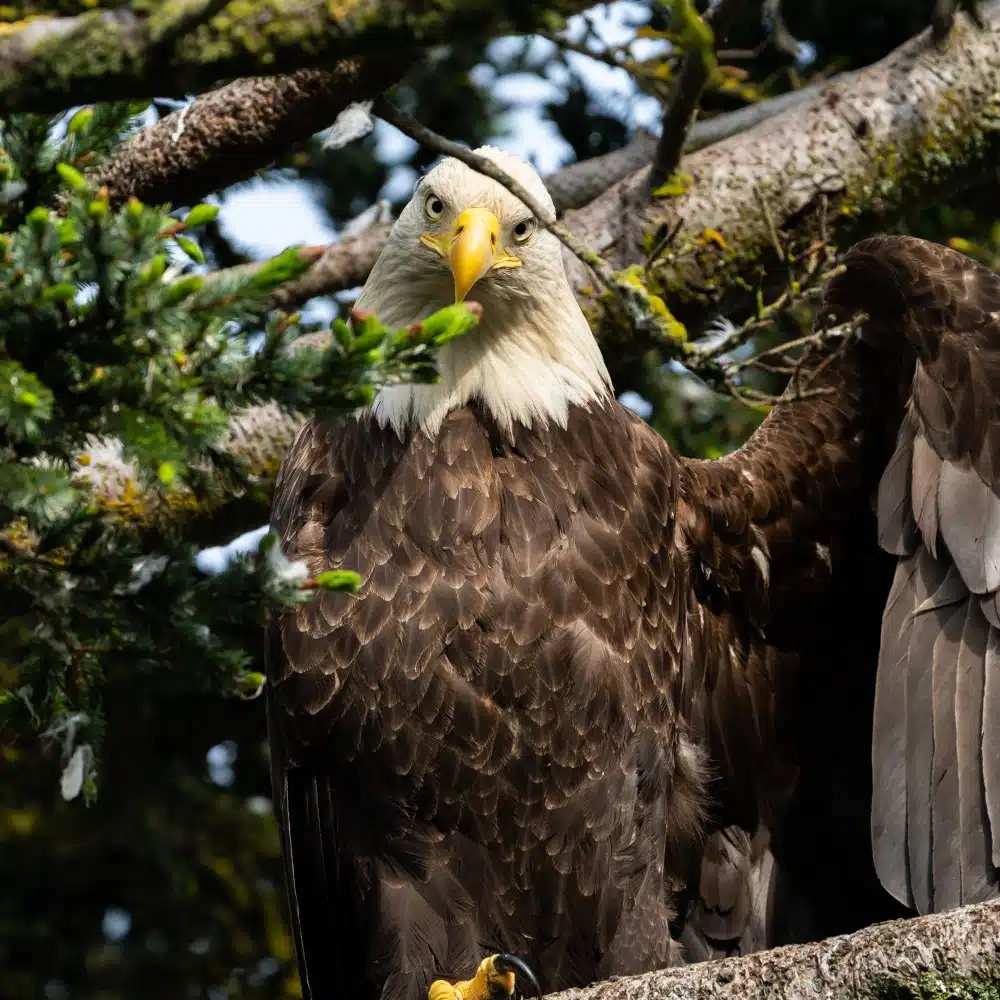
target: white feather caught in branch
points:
(353, 123)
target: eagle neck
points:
(526, 364)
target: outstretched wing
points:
(788, 582)
(936, 747)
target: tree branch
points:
(782, 39)
(912, 126)
(116, 54)
(227, 135)
(347, 264)
(954, 954)
(916, 126)
(700, 37)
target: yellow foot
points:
(494, 980)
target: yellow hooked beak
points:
(473, 249)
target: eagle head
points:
(463, 235)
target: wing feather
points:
(991, 740)
(889, 731)
(975, 847)
(970, 524)
(925, 480)
(922, 635)
(946, 833)
(897, 530)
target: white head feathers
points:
(533, 354)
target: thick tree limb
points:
(919, 124)
(346, 264)
(106, 55)
(921, 121)
(954, 954)
(228, 134)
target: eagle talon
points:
(495, 979)
(517, 966)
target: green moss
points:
(258, 28)
(938, 986)
(700, 271)
(678, 184)
(117, 57)
(647, 311)
(92, 49)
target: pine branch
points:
(55, 62)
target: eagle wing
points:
(787, 577)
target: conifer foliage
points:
(111, 330)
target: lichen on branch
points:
(162, 48)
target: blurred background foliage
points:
(169, 885)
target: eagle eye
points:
(433, 207)
(523, 230)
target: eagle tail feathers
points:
(326, 941)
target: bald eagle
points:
(592, 697)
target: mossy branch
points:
(697, 36)
(920, 124)
(227, 135)
(948, 956)
(167, 47)
(917, 126)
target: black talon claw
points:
(520, 968)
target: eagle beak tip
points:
(473, 250)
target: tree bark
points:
(227, 135)
(347, 263)
(947, 955)
(921, 123)
(907, 130)
(187, 46)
